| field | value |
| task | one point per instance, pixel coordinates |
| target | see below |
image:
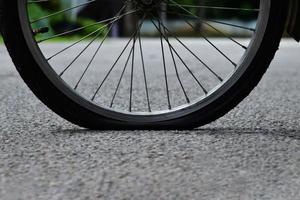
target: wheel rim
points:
(177, 57)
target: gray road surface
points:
(251, 153)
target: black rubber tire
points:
(68, 109)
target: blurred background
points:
(104, 9)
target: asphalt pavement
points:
(251, 153)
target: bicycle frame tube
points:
(293, 23)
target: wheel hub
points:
(146, 5)
(147, 2)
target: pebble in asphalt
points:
(251, 153)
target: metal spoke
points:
(98, 49)
(89, 44)
(110, 20)
(93, 57)
(117, 60)
(225, 35)
(213, 45)
(211, 20)
(38, 1)
(200, 60)
(217, 8)
(77, 42)
(211, 26)
(81, 52)
(177, 74)
(183, 62)
(62, 11)
(164, 65)
(188, 49)
(132, 71)
(144, 72)
(122, 75)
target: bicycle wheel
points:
(142, 64)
